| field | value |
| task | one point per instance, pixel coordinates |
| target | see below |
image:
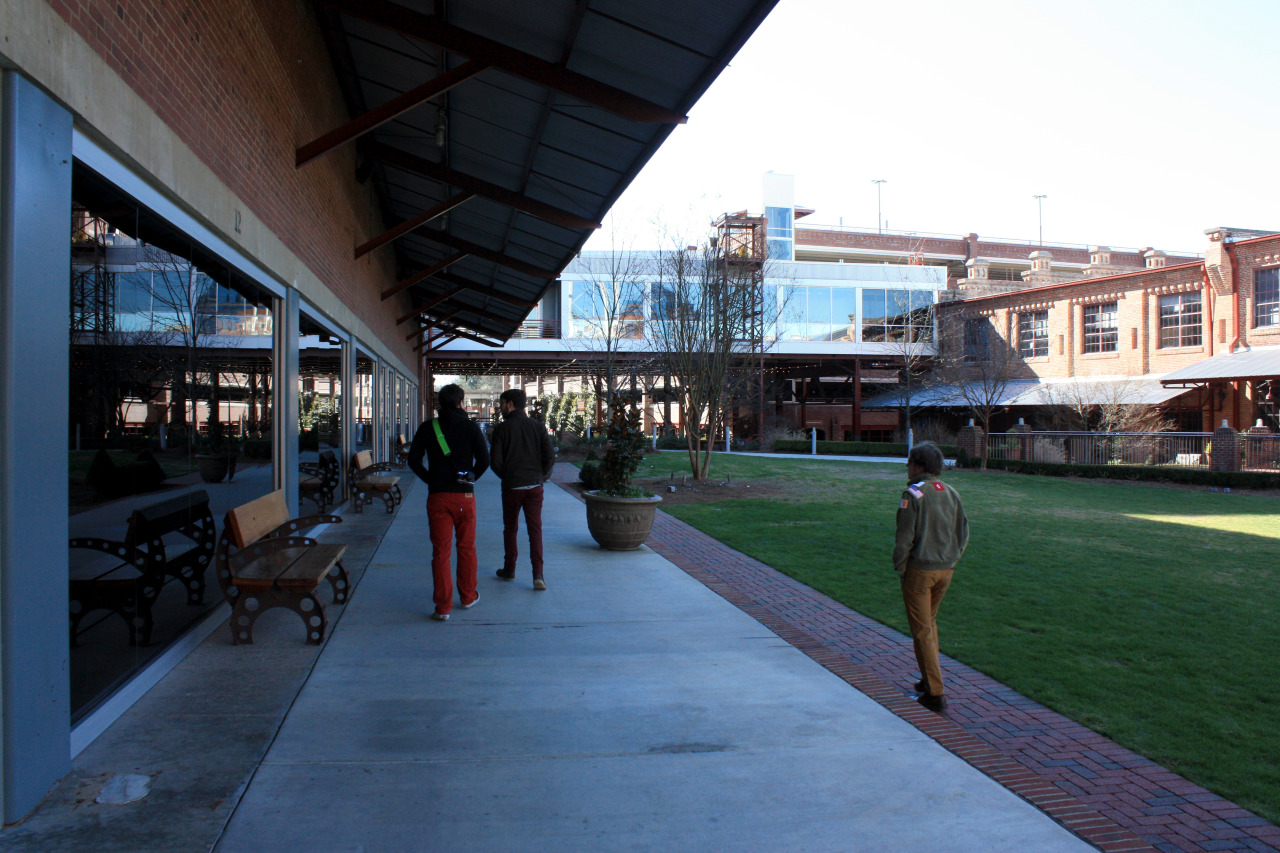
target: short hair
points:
(515, 397)
(450, 397)
(926, 455)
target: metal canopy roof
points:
(499, 133)
(1258, 363)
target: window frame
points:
(1098, 336)
(1033, 334)
(1268, 309)
(1187, 327)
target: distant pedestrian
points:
(522, 458)
(456, 456)
(932, 535)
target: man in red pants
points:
(522, 458)
(456, 456)
(932, 534)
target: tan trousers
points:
(922, 592)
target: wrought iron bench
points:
(369, 480)
(319, 480)
(172, 539)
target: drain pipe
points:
(1210, 299)
(1235, 296)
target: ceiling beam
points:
(366, 122)
(413, 222)
(404, 284)
(436, 342)
(490, 255)
(431, 28)
(453, 330)
(462, 284)
(399, 158)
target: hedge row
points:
(853, 448)
(1151, 473)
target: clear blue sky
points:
(1143, 121)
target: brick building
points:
(246, 218)
(1176, 335)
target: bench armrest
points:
(265, 546)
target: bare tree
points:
(707, 320)
(607, 311)
(1110, 405)
(979, 364)
(905, 321)
(184, 301)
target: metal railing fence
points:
(1181, 449)
(1171, 449)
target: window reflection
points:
(170, 407)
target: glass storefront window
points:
(166, 404)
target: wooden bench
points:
(402, 451)
(263, 562)
(319, 480)
(369, 480)
(170, 539)
(110, 480)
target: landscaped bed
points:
(1145, 612)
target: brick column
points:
(970, 441)
(1022, 448)
(1262, 451)
(1226, 449)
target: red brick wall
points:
(243, 83)
(1137, 307)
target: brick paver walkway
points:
(1108, 795)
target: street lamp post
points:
(1040, 206)
(879, 221)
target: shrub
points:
(672, 442)
(590, 476)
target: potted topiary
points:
(216, 456)
(620, 515)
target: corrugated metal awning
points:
(1257, 363)
(498, 134)
(1135, 391)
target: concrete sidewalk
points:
(628, 707)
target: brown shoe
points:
(937, 704)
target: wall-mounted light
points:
(440, 128)
(1222, 398)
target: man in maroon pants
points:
(522, 458)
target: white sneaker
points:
(473, 603)
(440, 617)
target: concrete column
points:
(35, 299)
(285, 412)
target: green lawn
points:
(1148, 614)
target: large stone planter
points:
(216, 467)
(620, 524)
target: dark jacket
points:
(468, 452)
(933, 530)
(522, 452)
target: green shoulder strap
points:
(444, 445)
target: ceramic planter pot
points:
(620, 524)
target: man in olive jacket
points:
(455, 459)
(932, 535)
(522, 457)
